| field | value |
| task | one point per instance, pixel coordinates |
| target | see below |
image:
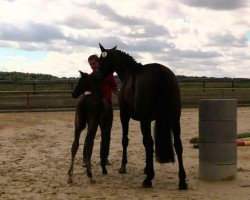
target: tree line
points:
(20, 76)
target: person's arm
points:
(112, 84)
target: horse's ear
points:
(114, 48)
(102, 48)
(81, 72)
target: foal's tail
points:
(163, 135)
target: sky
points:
(192, 37)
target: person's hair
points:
(94, 56)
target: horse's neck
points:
(125, 65)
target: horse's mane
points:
(127, 59)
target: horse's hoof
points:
(147, 184)
(104, 171)
(122, 170)
(183, 185)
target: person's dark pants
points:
(106, 126)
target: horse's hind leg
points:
(176, 129)
(74, 149)
(88, 148)
(148, 144)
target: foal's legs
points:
(148, 144)
(78, 129)
(125, 123)
(88, 146)
(176, 129)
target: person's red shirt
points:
(107, 86)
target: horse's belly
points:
(140, 98)
(145, 111)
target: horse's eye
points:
(104, 54)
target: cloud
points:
(112, 15)
(30, 32)
(192, 54)
(216, 4)
(228, 39)
(79, 22)
(196, 37)
(150, 29)
(150, 45)
(142, 45)
(94, 41)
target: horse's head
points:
(106, 62)
(84, 84)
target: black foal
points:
(91, 110)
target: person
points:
(108, 86)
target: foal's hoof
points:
(70, 180)
(92, 181)
(122, 170)
(147, 184)
(183, 185)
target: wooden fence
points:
(56, 95)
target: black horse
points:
(148, 92)
(91, 110)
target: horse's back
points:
(147, 86)
(160, 72)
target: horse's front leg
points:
(88, 149)
(125, 123)
(148, 144)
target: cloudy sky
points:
(192, 37)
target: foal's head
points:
(88, 83)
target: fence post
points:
(204, 85)
(28, 101)
(222, 93)
(34, 86)
(232, 85)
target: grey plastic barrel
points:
(217, 136)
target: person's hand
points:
(116, 91)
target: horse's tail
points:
(163, 135)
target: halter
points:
(104, 54)
(87, 93)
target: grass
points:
(243, 135)
(195, 140)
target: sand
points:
(35, 158)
